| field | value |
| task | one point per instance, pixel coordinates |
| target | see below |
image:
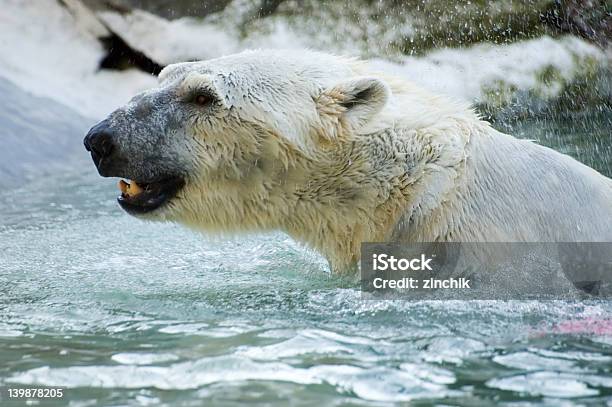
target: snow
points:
(167, 42)
(49, 51)
(466, 73)
(45, 51)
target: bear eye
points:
(203, 98)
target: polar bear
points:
(335, 154)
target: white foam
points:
(551, 384)
(377, 384)
(183, 328)
(127, 358)
(186, 375)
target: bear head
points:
(221, 144)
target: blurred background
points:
(127, 313)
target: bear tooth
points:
(134, 189)
(130, 188)
(124, 187)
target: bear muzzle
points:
(143, 195)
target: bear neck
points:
(375, 187)
(362, 190)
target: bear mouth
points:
(139, 197)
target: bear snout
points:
(100, 142)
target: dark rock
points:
(169, 9)
(587, 18)
(121, 56)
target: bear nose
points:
(99, 141)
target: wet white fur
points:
(289, 148)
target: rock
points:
(170, 9)
(586, 18)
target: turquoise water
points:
(125, 313)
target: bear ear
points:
(353, 103)
(172, 71)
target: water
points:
(121, 312)
(584, 135)
(37, 135)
